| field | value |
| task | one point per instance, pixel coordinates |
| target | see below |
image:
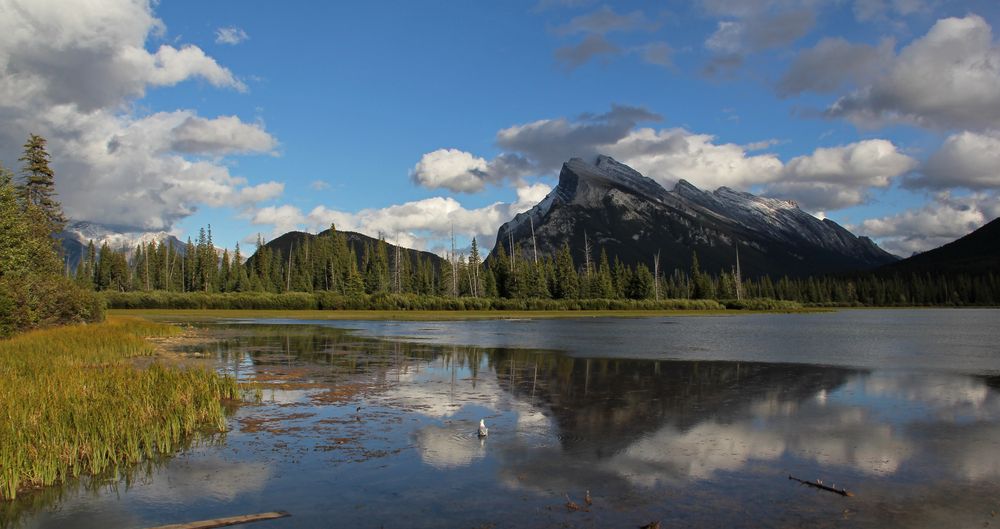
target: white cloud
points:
(948, 78)
(463, 172)
(839, 177)
(230, 35)
(452, 169)
(319, 185)
(966, 159)
(77, 87)
(669, 155)
(221, 136)
(868, 162)
(284, 218)
(418, 224)
(945, 219)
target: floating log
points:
(224, 522)
(819, 485)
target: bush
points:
(762, 304)
(32, 302)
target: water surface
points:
(694, 421)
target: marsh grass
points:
(73, 401)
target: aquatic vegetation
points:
(73, 401)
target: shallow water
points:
(694, 421)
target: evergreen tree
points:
(641, 283)
(566, 280)
(604, 286)
(39, 183)
(15, 241)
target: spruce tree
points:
(39, 183)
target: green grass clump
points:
(72, 402)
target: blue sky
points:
(407, 118)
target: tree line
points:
(33, 290)
(328, 264)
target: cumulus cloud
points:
(669, 155)
(838, 177)
(966, 159)
(451, 169)
(832, 63)
(77, 87)
(463, 172)
(949, 78)
(945, 219)
(417, 224)
(230, 35)
(221, 136)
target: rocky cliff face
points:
(632, 217)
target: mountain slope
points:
(632, 217)
(355, 241)
(975, 253)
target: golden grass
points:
(73, 401)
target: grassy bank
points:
(327, 301)
(72, 401)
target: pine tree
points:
(566, 280)
(604, 286)
(39, 183)
(475, 268)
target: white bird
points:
(483, 431)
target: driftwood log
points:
(819, 485)
(223, 522)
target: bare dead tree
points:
(533, 245)
(656, 275)
(738, 277)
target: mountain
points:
(77, 235)
(976, 253)
(628, 215)
(355, 241)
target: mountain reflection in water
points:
(375, 431)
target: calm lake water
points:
(692, 421)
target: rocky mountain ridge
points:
(612, 207)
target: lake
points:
(692, 421)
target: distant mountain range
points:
(974, 254)
(614, 208)
(78, 235)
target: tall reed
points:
(73, 401)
